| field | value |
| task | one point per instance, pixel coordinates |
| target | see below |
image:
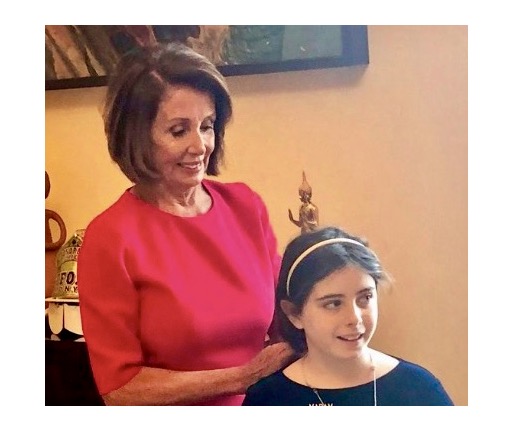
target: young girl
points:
(327, 301)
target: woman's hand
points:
(270, 359)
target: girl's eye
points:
(332, 304)
(366, 299)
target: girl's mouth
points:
(354, 337)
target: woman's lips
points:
(192, 166)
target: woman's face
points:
(183, 136)
(340, 315)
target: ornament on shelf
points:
(63, 315)
(66, 263)
(52, 215)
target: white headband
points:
(312, 248)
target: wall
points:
(384, 148)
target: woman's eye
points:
(208, 127)
(177, 132)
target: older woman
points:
(176, 278)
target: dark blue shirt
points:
(407, 384)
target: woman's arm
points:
(155, 386)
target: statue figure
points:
(52, 215)
(308, 212)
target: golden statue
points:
(308, 212)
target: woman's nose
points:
(196, 144)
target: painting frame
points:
(354, 51)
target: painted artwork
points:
(85, 55)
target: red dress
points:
(181, 293)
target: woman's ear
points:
(291, 312)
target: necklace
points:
(315, 391)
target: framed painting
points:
(85, 55)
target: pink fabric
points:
(177, 293)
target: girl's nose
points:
(352, 315)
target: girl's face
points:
(340, 315)
(183, 136)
